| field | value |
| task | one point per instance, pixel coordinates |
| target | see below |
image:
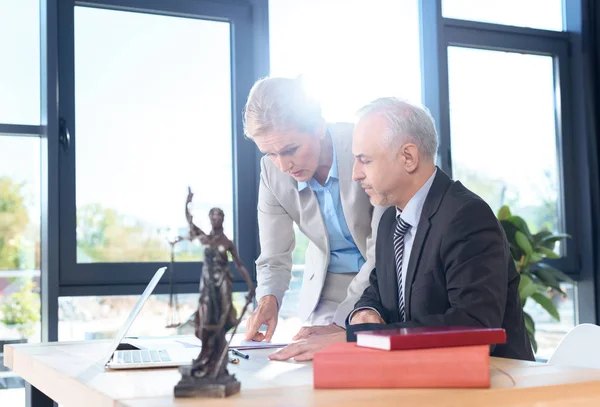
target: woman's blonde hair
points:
(280, 104)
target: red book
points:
(430, 337)
(347, 366)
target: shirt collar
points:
(412, 212)
(333, 171)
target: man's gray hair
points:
(280, 104)
(407, 122)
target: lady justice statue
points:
(207, 375)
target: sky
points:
(153, 107)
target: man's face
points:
(379, 171)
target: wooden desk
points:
(66, 373)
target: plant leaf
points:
(504, 213)
(559, 275)
(509, 230)
(520, 223)
(549, 253)
(535, 257)
(539, 236)
(556, 237)
(547, 304)
(530, 326)
(534, 344)
(547, 277)
(516, 253)
(526, 287)
(550, 241)
(524, 243)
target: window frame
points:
(245, 18)
(439, 33)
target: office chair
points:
(580, 347)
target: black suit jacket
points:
(460, 271)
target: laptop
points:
(126, 356)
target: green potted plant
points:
(539, 280)
(21, 311)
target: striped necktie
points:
(401, 229)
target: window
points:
(503, 132)
(19, 239)
(543, 14)
(505, 148)
(352, 52)
(153, 115)
(151, 100)
(20, 67)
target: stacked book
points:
(442, 357)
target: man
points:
(442, 258)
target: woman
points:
(306, 178)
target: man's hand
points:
(366, 316)
(305, 349)
(265, 313)
(307, 331)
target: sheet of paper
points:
(238, 341)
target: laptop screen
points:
(134, 313)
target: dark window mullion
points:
(503, 41)
(20, 130)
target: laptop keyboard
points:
(141, 356)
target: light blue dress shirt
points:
(344, 256)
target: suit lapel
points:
(440, 185)
(314, 226)
(344, 176)
(415, 255)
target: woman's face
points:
(296, 153)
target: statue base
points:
(215, 387)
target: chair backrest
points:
(580, 347)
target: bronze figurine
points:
(207, 376)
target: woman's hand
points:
(266, 313)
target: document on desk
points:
(238, 341)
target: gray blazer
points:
(280, 204)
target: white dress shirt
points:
(411, 215)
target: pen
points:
(235, 361)
(240, 354)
